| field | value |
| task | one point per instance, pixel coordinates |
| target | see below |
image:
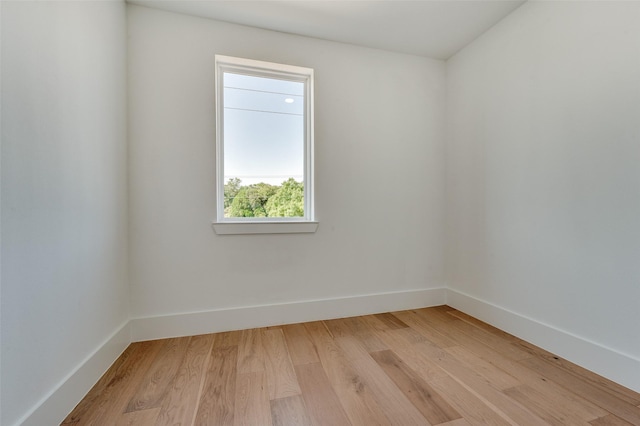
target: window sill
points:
(239, 228)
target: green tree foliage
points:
(250, 201)
(263, 200)
(288, 201)
(231, 189)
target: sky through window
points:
(263, 128)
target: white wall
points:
(379, 172)
(543, 182)
(64, 205)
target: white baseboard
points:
(614, 365)
(240, 318)
(54, 407)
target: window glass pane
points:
(263, 146)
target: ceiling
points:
(431, 28)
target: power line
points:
(266, 112)
(263, 91)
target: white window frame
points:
(266, 225)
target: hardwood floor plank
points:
(402, 341)
(458, 422)
(113, 400)
(544, 406)
(252, 400)
(97, 392)
(281, 377)
(354, 395)
(481, 386)
(445, 321)
(338, 327)
(396, 406)
(160, 374)
(618, 391)
(321, 401)
(289, 411)
(428, 331)
(498, 378)
(179, 404)
(299, 344)
(504, 347)
(217, 402)
(468, 404)
(432, 406)
(356, 327)
(595, 394)
(375, 325)
(352, 348)
(610, 420)
(393, 402)
(440, 313)
(482, 325)
(380, 330)
(226, 339)
(527, 376)
(392, 322)
(139, 418)
(250, 351)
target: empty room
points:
(320, 212)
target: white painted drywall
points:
(379, 172)
(64, 193)
(543, 176)
(0, 214)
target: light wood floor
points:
(429, 366)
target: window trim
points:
(257, 68)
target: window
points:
(264, 147)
